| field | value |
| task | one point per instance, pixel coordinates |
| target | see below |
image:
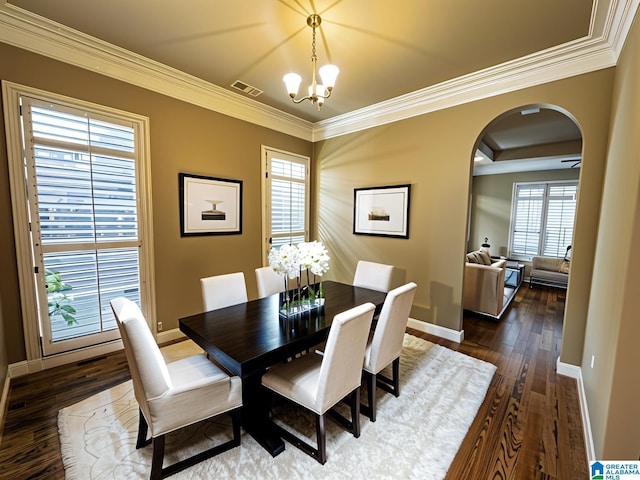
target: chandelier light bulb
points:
(328, 73)
(292, 82)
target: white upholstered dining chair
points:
(269, 282)
(385, 345)
(220, 291)
(375, 276)
(173, 395)
(318, 382)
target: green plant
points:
(59, 302)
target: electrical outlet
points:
(593, 360)
(159, 326)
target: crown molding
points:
(600, 49)
(42, 36)
(542, 67)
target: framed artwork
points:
(209, 205)
(382, 211)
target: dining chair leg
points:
(158, 457)
(395, 368)
(143, 428)
(372, 380)
(391, 385)
(355, 412)
(236, 420)
(321, 439)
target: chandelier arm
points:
(300, 100)
(325, 96)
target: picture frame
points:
(209, 205)
(382, 211)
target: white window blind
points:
(542, 221)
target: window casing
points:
(542, 219)
(81, 202)
(285, 200)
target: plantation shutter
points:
(527, 219)
(84, 212)
(561, 212)
(542, 218)
(288, 202)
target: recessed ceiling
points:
(527, 139)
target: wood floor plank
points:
(529, 425)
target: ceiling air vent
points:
(248, 89)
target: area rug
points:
(415, 435)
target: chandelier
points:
(317, 92)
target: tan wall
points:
(491, 205)
(613, 326)
(433, 152)
(184, 138)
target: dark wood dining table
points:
(246, 339)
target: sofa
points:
(483, 289)
(549, 271)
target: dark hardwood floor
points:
(528, 427)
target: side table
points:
(514, 274)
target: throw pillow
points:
(484, 257)
(471, 258)
(564, 267)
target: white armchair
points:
(483, 289)
(174, 395)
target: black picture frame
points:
(382, 211)
(209, 205)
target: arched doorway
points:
(521, 160)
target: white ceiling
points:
(396, 59)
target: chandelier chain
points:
(313, 44)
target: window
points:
(84, 201)
(542, 218)
(286, 199)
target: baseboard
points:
(447, 333)
(25, 367)
(3, 402)
(19, 369)
(573, 371)
(169, 336)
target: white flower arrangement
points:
(290, 261)
(285, 260)
(314, 257)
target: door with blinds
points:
(82, 189)
(285, 199)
